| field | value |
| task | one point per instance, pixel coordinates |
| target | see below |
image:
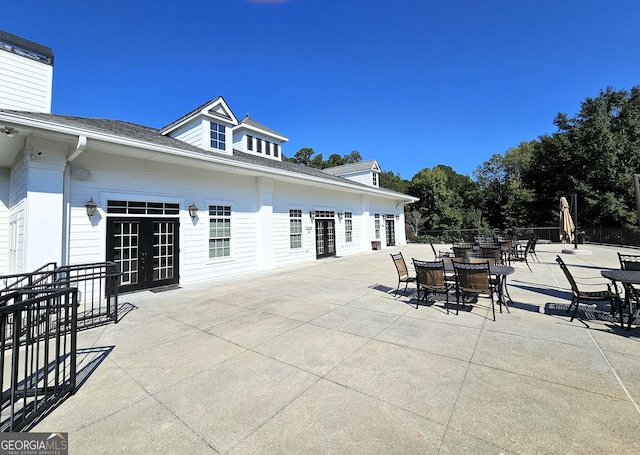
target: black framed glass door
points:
(146, 251)
(325, 238)
(390, 229)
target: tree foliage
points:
(593, 154)
(306, 156)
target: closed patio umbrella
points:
(566, 223)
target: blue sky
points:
(411, 83)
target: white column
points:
(44, 210)
(266, 260)
(366, 223)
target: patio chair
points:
(532, 250)
(403, 273)
(431, 278)
(460, 248)
(632, 292)
(474, 279)
(581, 296)
(629, 261)
(492, 251)
(439, 254)
(522, 255)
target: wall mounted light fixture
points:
(312, 214)
(8, 131)
(340, 215)
(91, 207)
(193, 210)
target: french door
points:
(325, 238)
(390, 229)
(146, 251)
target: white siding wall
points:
(130, 179)
(5, 179)
(17, 201)
(240, 143)
(25, 84)
(191, 133)
(289, 196)
(123, 178)
(360, 177)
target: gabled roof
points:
(206, 108)
(352, 168)
(147, 137)
(248, 121)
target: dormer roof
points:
(250, 124)
(352, 168)
(216, 108)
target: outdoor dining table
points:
(500, 272)
(628, 277)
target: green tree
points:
(439, 205)
(306, 156)
(593, 154)
(393, 182)
(506, 200)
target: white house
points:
(205, 197)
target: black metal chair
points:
(403, 272)
(459, 249)
(631, 292)
(431, 278)
(439, 254)
(581, 296)
(522, 255)
(474, 279)
(532, 250)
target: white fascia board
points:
(260, 131)
(205, 111)
(225, 106)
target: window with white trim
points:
(376, 224)
(249, 142)
(375, 179)
(276, 151)
(348, 227)
(218, 136)
(295, 228)
(219, 231)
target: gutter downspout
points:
(66, 199)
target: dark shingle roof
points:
(152, 136)
(251, 122)
(351, 168)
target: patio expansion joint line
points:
(614, 373)
(464, 378)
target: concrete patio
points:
(322, 358)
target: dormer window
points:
(375, 179)
(249, 142)
(218, 136)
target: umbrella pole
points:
(574, 203)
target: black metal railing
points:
(97, 285)
(604, 235)
(41, 277)
(38, 352)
